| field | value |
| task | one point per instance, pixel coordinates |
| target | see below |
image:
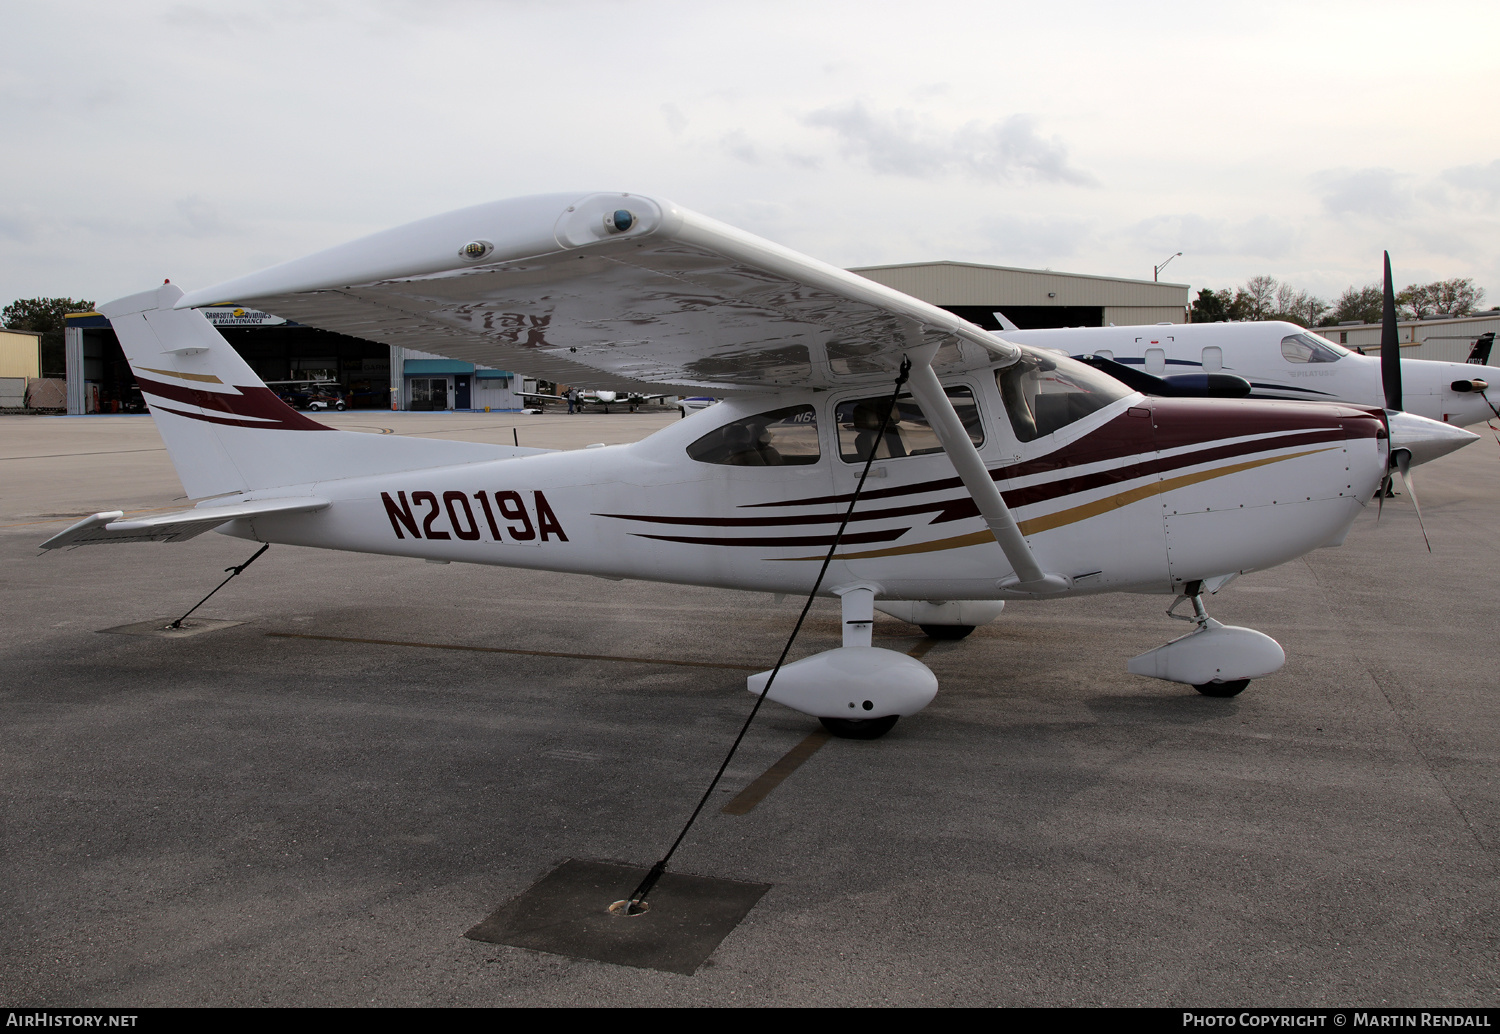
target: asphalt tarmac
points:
(272, 814)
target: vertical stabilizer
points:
(227, 432)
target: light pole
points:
(1156, 270)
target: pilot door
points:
(914, 513)
(1084, 485)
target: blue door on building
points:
(461, 392)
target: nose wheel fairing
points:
(1216, 659)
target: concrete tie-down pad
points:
(567, 913)
(163, 627)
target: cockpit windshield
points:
(1044, 392)
(1310, 348)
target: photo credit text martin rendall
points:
(1326, 1018)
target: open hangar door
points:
(100, 381)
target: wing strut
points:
(955, 440)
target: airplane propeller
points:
(1390, 377)
(1390, 347)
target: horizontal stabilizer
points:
(173, 527)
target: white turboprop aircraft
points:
(1006, 473)
(1281, 360)
(603, 398)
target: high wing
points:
(173, 527)
(652, 296)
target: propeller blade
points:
(1403, 464)
(1390, 347)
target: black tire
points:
(860, 728)
(340, 407)
(946, 631)
(1223, 689)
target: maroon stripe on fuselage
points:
(947, 510)
(964, 506)
(1161, 465)
(1176, 423)
(258, 407)
(787, 540)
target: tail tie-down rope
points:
(636, 903)
(233, 572)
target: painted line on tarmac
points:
(744, 801)
(522, 653)
(68, 455)
(920, 650)
(80, 516)
(772, 777)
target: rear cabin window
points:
(782, 437)
(1044, 392)
(907, 433)
(1309, 348)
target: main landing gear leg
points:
(858, 612)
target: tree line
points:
(1266, 298)
(44, 315)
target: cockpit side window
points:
(1044, 392)
(907, 433)
(782, 437)
(1309, 348)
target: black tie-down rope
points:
(635, 904)
(233, 571)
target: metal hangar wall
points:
(1033, 299)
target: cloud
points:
(202, 219)
(1262, 236)
(739, 146)
(676, 120)
(1382, 193)
(906, 143)
(1482, 179)
(1027, 240)
(22, 225)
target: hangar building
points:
(1444, 338)
(372, 375)
(1033, 299)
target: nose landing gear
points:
(1215, 659)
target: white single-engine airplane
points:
(1007, 472)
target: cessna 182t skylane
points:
(1006, 473)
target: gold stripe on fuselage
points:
(1072, 515)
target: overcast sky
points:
(200, 141)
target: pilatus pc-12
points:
(1002, 472)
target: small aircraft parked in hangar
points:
(1284, 361)
(1001, 472)
(603, 398)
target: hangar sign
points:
(236, 316)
